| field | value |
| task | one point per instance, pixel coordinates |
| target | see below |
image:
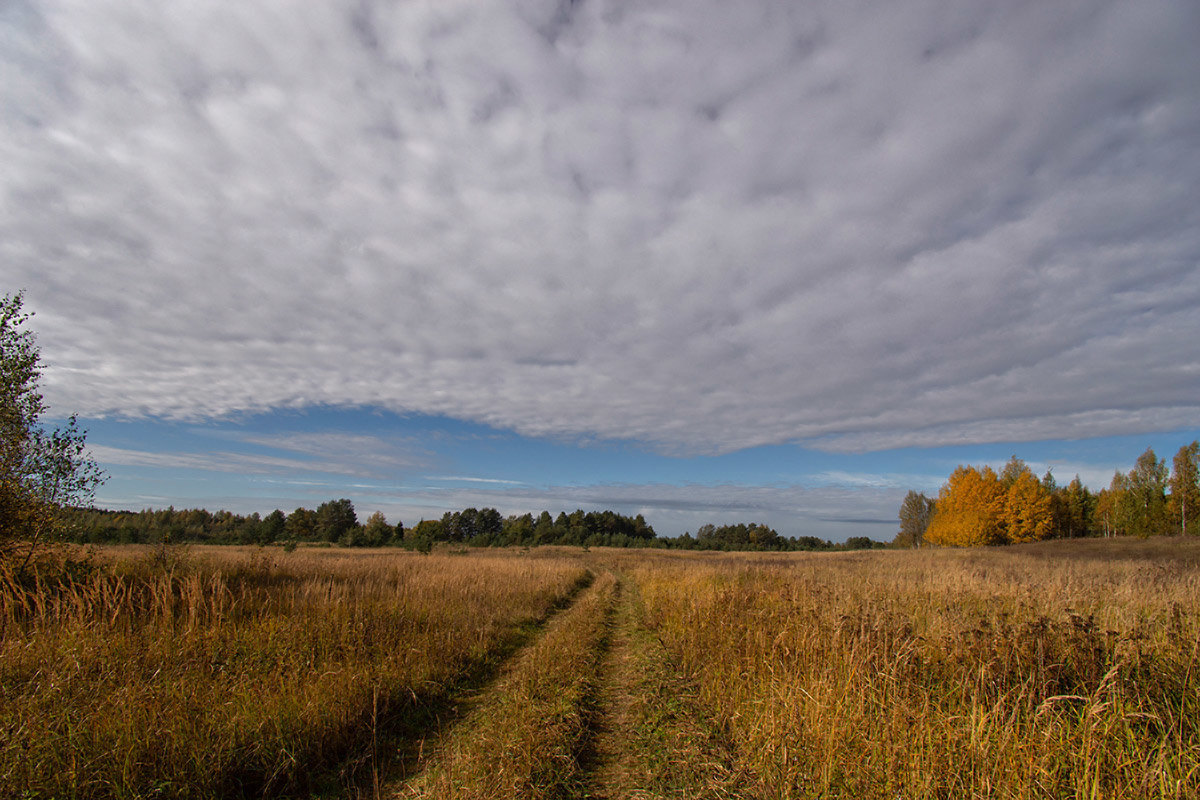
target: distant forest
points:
(336, 523)
(977, 506)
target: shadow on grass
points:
(386, 742)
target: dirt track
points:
(619, 724)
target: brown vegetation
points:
(1042, 671)
(1052, 669)
(222, 673)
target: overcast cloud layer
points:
(704, 225)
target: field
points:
(1064, 669)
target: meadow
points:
(223, 672)
(1051, 670)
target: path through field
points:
(608, 762)
(648, 741)
(592, 709)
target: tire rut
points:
(591, 709)
(519, 735)
(425, 720)
(605, 758)
(646, 738)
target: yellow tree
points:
(1028, 509)
(968, 509)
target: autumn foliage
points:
(1027, 515)
(977, 506)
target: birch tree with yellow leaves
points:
(1028, 514)
(968, 508)
(978, 507)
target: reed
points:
(1055, 670)
(1050, 671)
(222, 673)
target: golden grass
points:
(230, 672)
(1052, 670)
(525, 739)
(1048, 671)
(651, 743)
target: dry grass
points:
(1056, 670)
(1052, 671)
(651, 743)
(239, 672)
(525, 739)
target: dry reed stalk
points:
(236, 673)
(937, 674)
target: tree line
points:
(977, 506)
(754, 537)
(331, 522)
(335, 522)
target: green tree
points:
(273, 526)
(1146, 498)
(301, 525)
(915, 513)
(518, 530)
(861, 543)
(740, 536)
(543, 531)
(1183, 505)
(422, 535)
(376, 532)
(641, 529)
(250, 529)
(1077, 508)
(335, 518)
(489, 522)
(41, 471)
(1113, 504)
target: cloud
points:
(350, 454)
(216, 462)
(700, 226)
(1050, 426)
(869, 480)
(320, 453)
(465, 479)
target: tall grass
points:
(524, 742)
(1035, 672)
(240, 673)
(1041, 671)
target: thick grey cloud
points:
(704, 225)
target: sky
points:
(705, 261)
